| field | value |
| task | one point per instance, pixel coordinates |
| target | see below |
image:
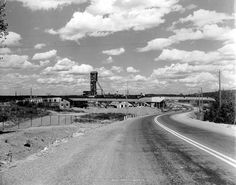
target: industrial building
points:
(94, 85)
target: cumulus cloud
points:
(15, 62)
(223, 54)
(117, 69)
(44, 62)
(188, 56)
(103, 18)
(81, 69)
(191, 7)
(203, 17)
(156, 44)
(12, 39)
(48, 4)
(192, 75)
(67, 66)
(109, 60)
(39, 46)
(205, 24)
(199, 80)
(207, 32)
(45, 55)
(117, 51)
(131, 69)
(210, 32)
(139, 78)
(64, 64)
(103, 72)
(57, 80)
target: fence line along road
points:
(51, 120)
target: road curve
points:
(136, 151)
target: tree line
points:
(225, 113)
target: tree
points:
(224, 114)
(3, 22)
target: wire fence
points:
(51, 120)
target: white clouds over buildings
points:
(103, 18)
(68, 66)
(45, 55)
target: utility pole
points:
(31, 92)
(202, 98)
(199, 101)
(220, 101)
(127, 92)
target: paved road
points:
(132, 152)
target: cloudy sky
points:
(153, 46)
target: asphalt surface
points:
(136, 151)
(220, 142)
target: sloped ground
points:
(25, 142)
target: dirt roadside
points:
(18, 145)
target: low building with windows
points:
(57, 102)
(64, 104)
(158, 102)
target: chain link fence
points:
(54, 120)
(51, 120)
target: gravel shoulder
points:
(19, 144)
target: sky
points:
(151, 46)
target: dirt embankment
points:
(18, 145)
(22, 143)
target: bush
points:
(94, 117)
(225, 114)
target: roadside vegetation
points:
(100, 117)
(17, 113)
(225, 113)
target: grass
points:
(99, 117)
(17, 114)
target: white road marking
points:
(214, 153)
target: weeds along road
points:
(136, 151)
